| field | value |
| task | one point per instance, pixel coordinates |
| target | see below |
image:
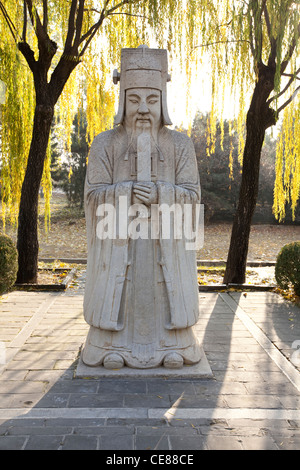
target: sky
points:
(200, 99)
(2, 92)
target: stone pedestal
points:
(200, 370)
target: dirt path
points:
(67, 239)
(265, 241)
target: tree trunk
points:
(27, 243)
(47, 95)
(237, 256)
(259, 118)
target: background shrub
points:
(287, 268)
(8, 263)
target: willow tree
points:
(253, 50)
(273, 30)
(53, 52)
(42, 43)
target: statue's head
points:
(143, 87)
(142, 109)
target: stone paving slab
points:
(252, 400)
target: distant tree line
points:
(68, 173)
(219, 183)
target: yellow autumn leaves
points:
(228, 36)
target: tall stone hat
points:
(143, 68)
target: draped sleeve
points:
(107, 255)
(179, 251)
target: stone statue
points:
(141, 295)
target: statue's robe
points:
(141, 295)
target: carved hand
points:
(146, 192)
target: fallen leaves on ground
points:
(265, 241)
(67, 236)
(255, 276)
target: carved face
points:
(143, 109)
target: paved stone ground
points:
(252, 401)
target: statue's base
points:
(200, 370)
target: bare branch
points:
(258, 35)
(225, 24)
(60, 75)
(29, 6)
(291, 98)
(37, 24)
(79, 21)
(124, 2)
(291, 75)
(47, 48)
(291, 50)
(24, 33)
(23, 47)
(262, 8)
(130, 14)
(268, 22)
(95, 25)
(9, 22)
(93, 9)
(255, 13)
(251, 40)
(221, 42)
(88, 36)
(292, 79)
(93, 30)
(88, 33)
(28, 55)
(273, 42)
(45, 13)
(71, 27)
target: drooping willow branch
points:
(291, 50)
(9, 22)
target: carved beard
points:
(136, 131)
(138, 127)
